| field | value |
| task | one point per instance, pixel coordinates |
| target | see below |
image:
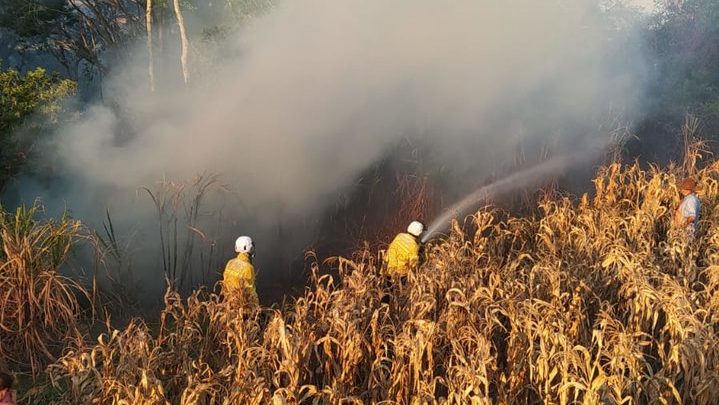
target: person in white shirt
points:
(687, 214)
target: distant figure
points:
(687, 214)
(239, 273)
(7, 394)
(403, 253)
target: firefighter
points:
(240, 273)
(403, 254)
(687, 214)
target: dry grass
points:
(182, 243)
(589, 301)
(40, 309)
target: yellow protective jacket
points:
(240, 273)
(402, 255)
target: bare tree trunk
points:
(183, 38)
(160, 36)
(161, 33)
(151, 57)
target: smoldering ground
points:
(298, 103)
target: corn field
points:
(40, 309)
(593, 300)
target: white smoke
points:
(306, 97)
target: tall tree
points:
(682, 51)
(150, 54)
(76, 32)
(183, 40)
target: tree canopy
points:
(29, 103)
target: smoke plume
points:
(296, 104)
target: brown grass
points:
(590, 301)
(40, 309)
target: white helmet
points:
(415, 228)
(244, 244)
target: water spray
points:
(509, 183)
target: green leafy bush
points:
(28, 104)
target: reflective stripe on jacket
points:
(240, 273)
(402, 254)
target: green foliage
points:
(28, 104)
(36, 91)
(683, 47)
(245, 9)
(32, 18)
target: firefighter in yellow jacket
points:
(403, 253)
(239, 272)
